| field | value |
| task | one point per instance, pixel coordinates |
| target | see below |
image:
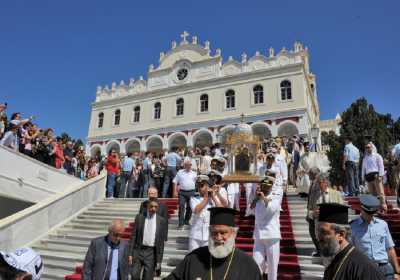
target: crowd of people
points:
(196, 176)
(25, 136)
(358, 249)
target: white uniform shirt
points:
(186, 180)
(149, 233)
(276, 168)
(200, 222)
(267, 224)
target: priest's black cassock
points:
(351, 264)
(197, 265)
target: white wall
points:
(217, 111)
(24, 178)
(32, 223)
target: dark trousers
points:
(387, 270)
(125, 179)
(146, 183)
(158, 183)
(311, 229)
(184, 200)
(170, 174)
(144, 260)
(352, 183)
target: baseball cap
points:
(25, 259)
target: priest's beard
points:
(220, 250)
(329, 248)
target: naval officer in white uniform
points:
(267, 232)
(200, 203)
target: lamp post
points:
(314, 135)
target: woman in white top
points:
(200, 203)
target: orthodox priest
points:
(220, 260)
(341, 259)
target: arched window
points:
(117, 117)
(136, 114)
(258, 92)
(157, 111)
(286, 90)
(179, 106)
(230, 99)
(100, 120)
(204, 103)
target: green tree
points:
(363, 124)
(335, 156)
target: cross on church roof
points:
(184, 35)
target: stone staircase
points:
(64, 248)
(311, 267)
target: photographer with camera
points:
(200, 203)
(221, 194)
(267, 232)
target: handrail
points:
(10, 220)
(28, 184)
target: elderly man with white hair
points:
(107, 256)
(220, 259)
(184, 186)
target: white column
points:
(189, 140)
(274, 129)
(165, 143)
(122, 147)
(143, 146)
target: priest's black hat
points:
(334, 213)
(222, 216)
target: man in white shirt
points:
(200, 203)
(351, 157)
(217, 187)
(267, 233)
(372, 172)
(186, 180)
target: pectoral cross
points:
(184, 35)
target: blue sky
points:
(54, 53)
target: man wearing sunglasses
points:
(372, 172)
(107, 256)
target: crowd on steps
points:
(242, 231)
(25, 136)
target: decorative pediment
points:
(191, 51)
(258, 61)
(231, 67)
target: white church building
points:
(193, 98)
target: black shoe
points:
(179, 228)
(316, 255)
